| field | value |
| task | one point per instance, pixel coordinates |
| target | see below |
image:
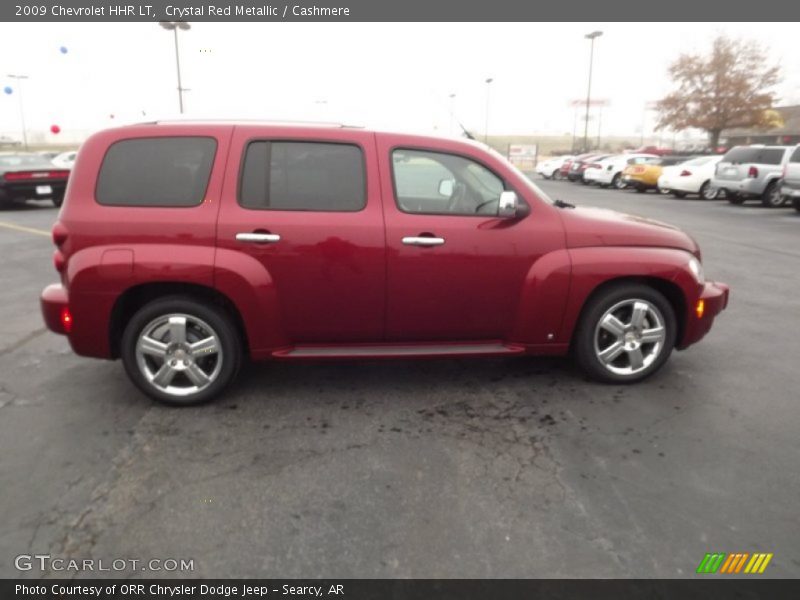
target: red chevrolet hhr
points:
(183, 248)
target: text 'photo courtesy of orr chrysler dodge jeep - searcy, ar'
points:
(184, 248)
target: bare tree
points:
(729, 87)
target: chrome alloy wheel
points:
(179, 354)
(629, 336)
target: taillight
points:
(752, 172)
(66, 319)
(685, 173)
(34, 175)
(59, 234)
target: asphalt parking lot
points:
(473, 468)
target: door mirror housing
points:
(446, 187)
(508, 206)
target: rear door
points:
(308, 208)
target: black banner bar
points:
(409, 589)
(394, 10)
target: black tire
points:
(640, 189)
(556, 175)
(796, 203)
(734, 198)
(679, 194)
(57, 200)
(708, 192)
(217, 319)
(616, 182)
(771, 198)
(583, 344)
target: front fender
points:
(594, 266)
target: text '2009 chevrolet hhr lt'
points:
(184, 248)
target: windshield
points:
(530, 184)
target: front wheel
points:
(617, 182)
(772, 198)
(625, 334)
(734, 198)
(708, 191)
(180, 351)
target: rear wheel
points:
(771, 198)
(708, 191)
(57, 200)
(556, 175)
(626, 333)
(179, 351)
(618, 182)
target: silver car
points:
(752, 172)
(791, 178)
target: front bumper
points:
(715, 296)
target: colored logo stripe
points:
(734, 562)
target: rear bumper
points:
(27, 190)
(54, 302)
(746, 187)
(715, 298)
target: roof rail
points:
(253, 121)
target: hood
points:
(602, 227)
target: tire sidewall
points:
(217, 319)
(583, 343)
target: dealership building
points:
(788, 133)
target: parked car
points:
(578, 166)
(551, 168)
(643, 176)
(609, 170)
(26, 176)
(790, 187)
(567, 168)
(65, 159)
(752, 172)
(183, 248)
(691, 177)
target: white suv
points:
(790, 189)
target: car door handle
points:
(423, 240)
(258, 238)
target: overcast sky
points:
(389, 75)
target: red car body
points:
(341, 284)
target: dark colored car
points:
(30, 176)
(580, 163)
(184, 248)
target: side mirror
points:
(446, 187)
(507, 207)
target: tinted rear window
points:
(163, 171)
(316, 176)
(760, 156)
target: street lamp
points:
(452, 112)
(589, 36)
(489, 80)
(173, 26)
(19, 78)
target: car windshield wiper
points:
(558, 202)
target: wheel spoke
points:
(177, 330)
(638, 315)
(653, 336)
(148, 345)
(196, 375)
(164, 375)
(636, 358)
(204, 347)
(613, 325)
(612, 352)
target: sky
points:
(396, 76)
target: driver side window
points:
(437, 183)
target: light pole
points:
(489, 80)
(589, 36)
(19, 79)
(173, 26)
(452, 112)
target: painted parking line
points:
(25, 229)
